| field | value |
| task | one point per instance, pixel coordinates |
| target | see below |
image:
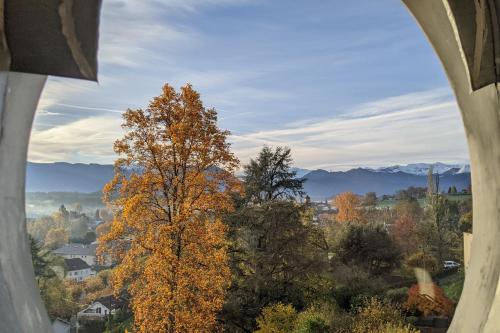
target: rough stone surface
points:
(21, 308)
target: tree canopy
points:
(167, 234)
(270, 177)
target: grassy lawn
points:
(452, 285)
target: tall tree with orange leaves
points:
(348, 205)
(172, 183)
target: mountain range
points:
(320, 184)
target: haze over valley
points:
(48, 185)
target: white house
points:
(85, 252)
(102, 307)
(77, 269)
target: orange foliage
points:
(348, 205)
(103, 229)
(437, 305)
(167, 234)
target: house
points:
(102, 307)
(61, 326)
(77, 269)
(85, 252)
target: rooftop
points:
(77, 249)
(75, 264)
(112, 302)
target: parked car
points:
(450, 264)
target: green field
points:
(389, 203)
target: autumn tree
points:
(39, 228)
(409, 207)
(465, 222)
(103, 228)
(172, 183)
(370, 199)
(374, 315)
(435, 304)
(56, 238)
(403, 232)
(105, 215)
(96, 286)
(424, 261)
(277, 318)
(348, 205)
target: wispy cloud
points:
(278, 72)
(85, 140)
(81, 107)
(193, 5)
(421, 126)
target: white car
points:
(449, 264)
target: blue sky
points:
(343, 83)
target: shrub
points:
(422, 260)
(91, 326)
(395, 328)
(368, 246)
(311, 321)
(437, 304)
(277, 318)
(374, 315)
(397, 295)
(322, 318)
(465, 222)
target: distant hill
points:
(320, 184)
(67, 177)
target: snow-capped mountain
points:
(422, 169)
(464, 169)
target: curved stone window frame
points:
(478, 97)
(450, 31)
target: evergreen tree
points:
(269, 177)
(40, 259)
(274, 247)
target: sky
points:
(344, 84)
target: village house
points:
(77, 269)
(85, 252)
(102, 307)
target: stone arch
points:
(464, 35)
